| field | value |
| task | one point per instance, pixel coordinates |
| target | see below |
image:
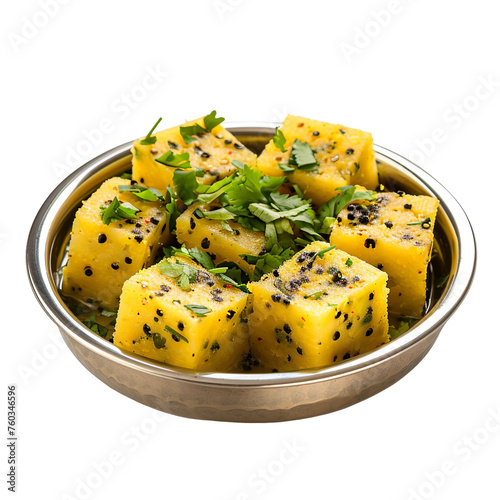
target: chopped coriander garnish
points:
(322, 253)
(171, 159)
(211, 121)
(426, 223)
(314, 296)
(330, 210)
(332, 305)
(149, 139)
(348, 262)
(189, 132)
(279, 140)
(175, 334)
(159, 340)
(200, 311)
(285, 167)
(225, 225)
(186, 184)
(396, 332)
(201, 257)
(219, 214)
(441, 282)
(302, 156)
(142, 192)
(91, 323)
(117, 211)
(184, 273)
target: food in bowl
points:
(250, 264)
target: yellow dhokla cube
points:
(102, 257)
(344, 156)
(394, 232)
(224, 242)
(211, 152)
(178, 313)
(318, 309)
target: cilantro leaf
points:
(396, 332)
(211, 121)
(330, 210)
(229, 281)
(279, 140)
(219, 214)
(171, 159)
(159, 340)
(286, 168)
(149, 139)
(302, 156)
(322, 253)
(426, 223)
(314, 296)
(175, 334)
(195, 253)
(91, 323)
(117, 211)
(200, 311)
(171, 208)
(170, 269)
(209, 193)
(142, 192)
(441, 282)
(185, 185)
(189, 132)
(225, 225)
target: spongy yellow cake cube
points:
(101, 257)
(194, 324)
(318, 309)
(211, 152)
(394, 232)
(344, 156)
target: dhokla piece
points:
(225, 242)
(344, 156)
(197, 324)
(394, 233)
(102, 257)
(318, 309)
(211, 152)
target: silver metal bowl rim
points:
(42, 283)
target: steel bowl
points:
(252, 397)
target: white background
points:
(253, 60)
